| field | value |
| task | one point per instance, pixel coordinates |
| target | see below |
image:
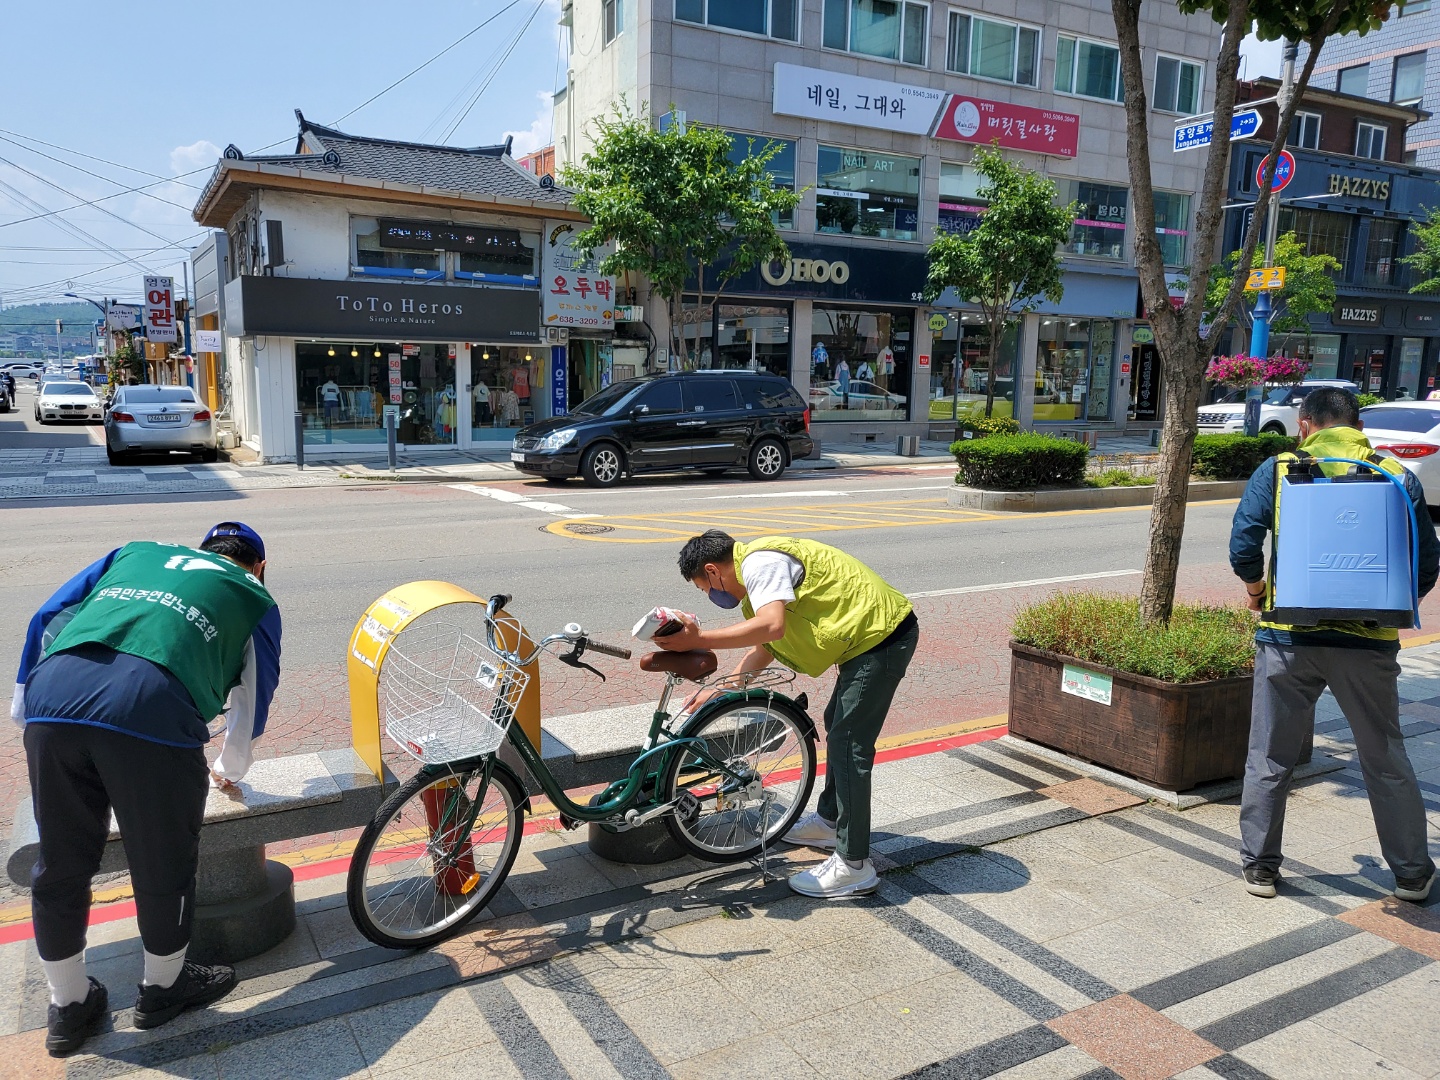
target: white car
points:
(878, 402)
(57, 400)
(1279, 409)
(23, 370)
(1408, 431)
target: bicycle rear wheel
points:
(415, 878)
(770, 747)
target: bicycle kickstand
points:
(764, 857)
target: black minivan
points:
(705, 420)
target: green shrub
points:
(1369, 399)
(980, 427)
(1020, 462)
(1235, 457)
(1201, 642)
(1118, 478)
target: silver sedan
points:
(158, 418)
(58, 400)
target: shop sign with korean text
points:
(1016, 127)
(572, 291)
(1090, 685)
(160, 310)
(124, 316)
(854, 99)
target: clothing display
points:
(520, 383)
(507, 407)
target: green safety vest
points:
(1341, 442)
(187, 610)
(841, 609)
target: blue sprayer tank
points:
(1346, 548)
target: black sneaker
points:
(1414, 889)
(196, 987)
(1260, 881)
(70, 1025)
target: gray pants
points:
(1288, 682)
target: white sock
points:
(853, 863)
(67, 979)
(163, 970)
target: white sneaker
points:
(812, 830)
(836, 878)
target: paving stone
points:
(328, 1050)
(653, 1019)
(1397, 1021)
(1133, 1040)
(1404, 923)
(1067, 1063)
(1091, 796)
(399, 1034)
(953, 1013)
(1307, 1050)
(843, 1044)
(766, 1055)
(785, 989)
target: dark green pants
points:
(853, 719)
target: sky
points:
(78, 75)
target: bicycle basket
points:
(446, 694)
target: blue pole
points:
(1260, 348)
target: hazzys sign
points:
(290, 307)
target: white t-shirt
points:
(769, 576)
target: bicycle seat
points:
(694, 665)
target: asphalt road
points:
(19, 430)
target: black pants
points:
(78, 772)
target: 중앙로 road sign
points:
(1243, 125)
(1265, 277)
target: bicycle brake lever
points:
(573, 659)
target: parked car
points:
(161, 418)
(1408, 431)
(23, 370)
(864, 396)
(1279, 409)
(58, 400)
(706, 420)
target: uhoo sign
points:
(816, 270)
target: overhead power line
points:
(92, 157)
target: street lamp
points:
(104, 316)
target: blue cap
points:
(240, 531)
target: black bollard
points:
(390, 438)
(300, 440)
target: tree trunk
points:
(993, 349)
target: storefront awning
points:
(1094, 292)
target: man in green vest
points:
(811, 606)
(1294, 665)
(123, 670)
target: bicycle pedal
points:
(570, 823)
(687, 807)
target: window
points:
(661, 396)
(1177, 85)
(776, 18)
(1408, 85)
(1369, 141)
(1414, 7)
(781, 167)
(710, 395)
(1099, 228)
(893, 29)
(1386, 239)
(1305, 131)
(862, 193)
(1172, 226)
(1087, 68)
(1354, 80)
(960, 202)
(612, 12)
(372, 258)
(1411, 156)
(859, 364)
(1322, 232)
(993, 49)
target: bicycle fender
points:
(774, 701)
(501, 767)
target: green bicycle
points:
(727, 778)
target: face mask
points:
(722, 599)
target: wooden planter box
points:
(1172, 735)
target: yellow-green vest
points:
(1340, 442)
(841, 609)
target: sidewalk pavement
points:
(1031, 923)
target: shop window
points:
(1099, 229)
(612, 14)
(960, 202)
(1407, 382)
(1323, 352)
(1087, 68)
(1354, 80)
(859, 365)
(1305, 131)
(1407, 87)
(1321, 232)
(1172, 226)
(1177, 85)
(755, 337)
(992, 49)
(1369, 141)
(503, 382)
(862, 193)
(960, 369)
(342, 390)
(1074, 366)
(891, 29)
(781, 167)
(1387, 236)
(775, 18)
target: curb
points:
(1083, 498)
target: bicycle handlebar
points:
(608, 650)
(572, 635)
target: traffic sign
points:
(1284, 171)
(1265, 277)
(1243, 125)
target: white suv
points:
(1279, 409)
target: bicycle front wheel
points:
(744, 780)
(417, 876)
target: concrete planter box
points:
(1049, 499)
(1173, 735)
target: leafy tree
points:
(127, 361)
(676, 205)
(1309, 288)
(1426, 259)
(1010, 262)
(1185, 337)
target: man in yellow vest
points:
(811, 606)
(1294, 665)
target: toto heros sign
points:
(295, 307)
(832, 272)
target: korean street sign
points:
(160, 310)
(1243, 125)
(1265, 277)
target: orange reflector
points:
(470, 883)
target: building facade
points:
(1359, 209)
(362, 278)
(1398, 63)
(877, 110)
